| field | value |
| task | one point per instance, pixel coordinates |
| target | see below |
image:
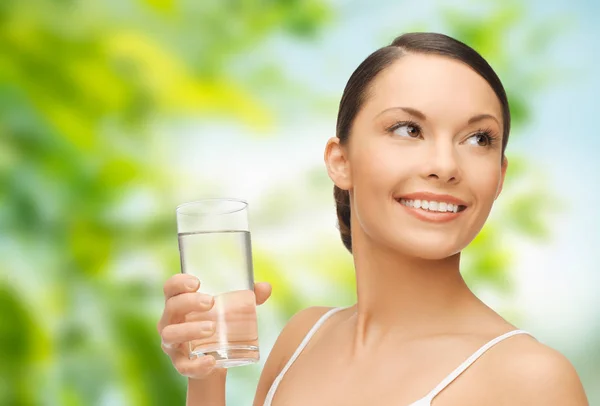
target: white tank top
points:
(424, 401)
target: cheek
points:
(371, 161)
(483, 180)
(377, 174)
(379, 167)
(370, 186)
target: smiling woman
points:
(417, 163)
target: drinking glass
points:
(214, 246)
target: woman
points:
(417, 162)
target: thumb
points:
(262, 290)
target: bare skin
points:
(206, 384)
(415, 319)
(517, 371)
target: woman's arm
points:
(289, 339)
(548, 378)
(528, 372)
(209, 391)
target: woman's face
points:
(430, 124)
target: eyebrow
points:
(420, 115)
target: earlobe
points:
(337, 164)
(502, 176)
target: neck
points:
(403, 297)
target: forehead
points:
(441, 87)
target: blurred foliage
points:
(86, 207)
(81, 84)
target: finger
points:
(197, 368)
(175, 334)
(262, 291)
(180, 283)
(178, 306)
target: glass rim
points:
(244, 205)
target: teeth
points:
(441, 207)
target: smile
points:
(432, 211)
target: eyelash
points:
(490, 135)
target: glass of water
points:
(214, 246)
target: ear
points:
(337, 164)
(502, 176)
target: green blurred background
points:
(113, 112)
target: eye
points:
(480, 139)
(406, 129)
(483, 138)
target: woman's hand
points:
(181, 298)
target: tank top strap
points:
(469, 361)
(296, 353)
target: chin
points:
(434, 254)
(430, 251)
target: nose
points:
(441, 163)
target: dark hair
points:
(357, 88)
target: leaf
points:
(161, 5)
(145, 371)
(18, 348)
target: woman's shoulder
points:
(296, 329)
(532, 373)
(288, 340)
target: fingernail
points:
(192, 283)
(206, 299)
(207, 326)
(211, 361)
